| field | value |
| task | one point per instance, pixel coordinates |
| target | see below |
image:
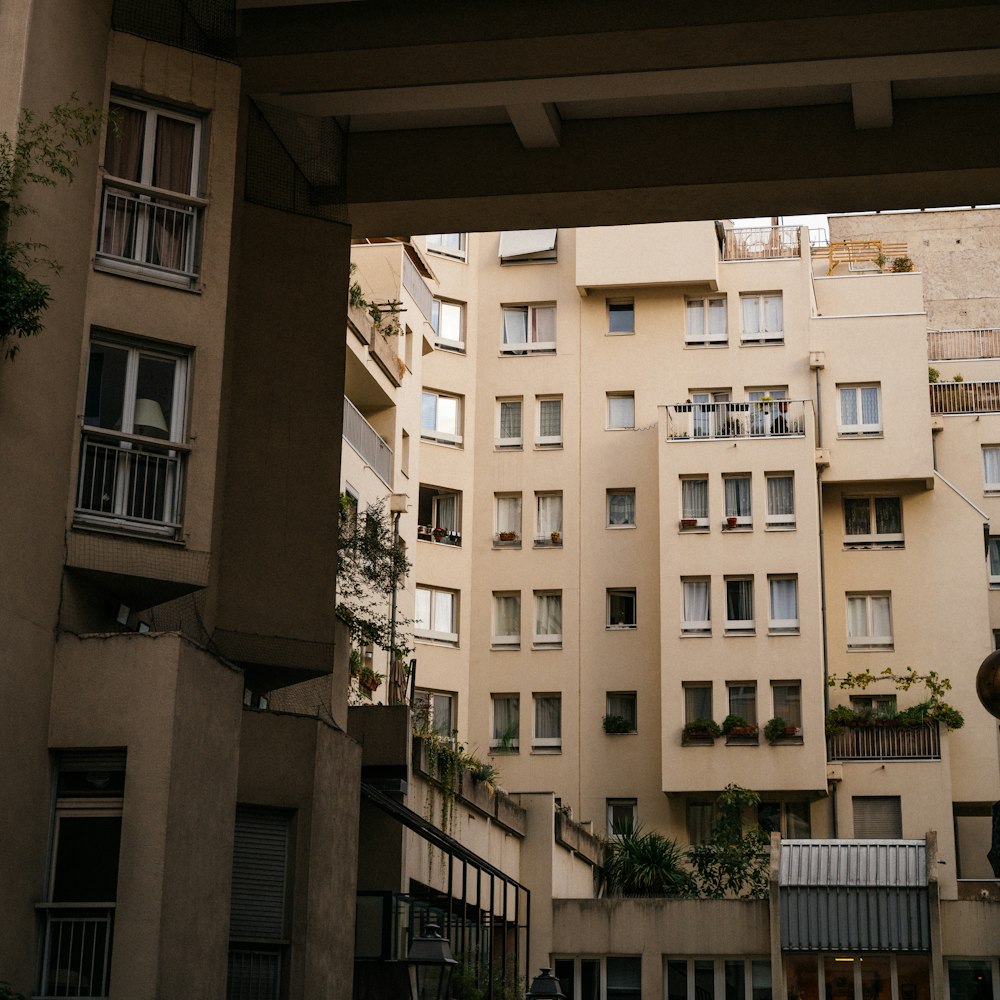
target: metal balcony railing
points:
(725, 421)
(886, 742)
(419, 290)
(254, 973)
(764, 243)
(365, 440)
(131, 480)
(76, 957)
(965, 397)
(150, 229)
(955, 345)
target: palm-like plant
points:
(644, 864)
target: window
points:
(994, 559)
(784, 591)
(743, 701)
(769, 415)
(441, 417)
(439, 515)
(873, 521)
(509, 413)
(150, 210)
(700, 817)
(694, 502)
(877, 817)
(506, 722)
(790, 819)
(548, 618)
(529, 330)
(712, 416)
(727, 979)
(621, 816)
(762, 318)
(448, 321)
(991, 469)
(859, 410)
(697, 701)
(739, 604)
(787, 699)
(737, 499)
(780, 499)
(436, 710)
(135, 399)
(548, 722)
(581, 978)
(624, 977)
(621, 705)
(621, 608)
(549, 421)
(869, 621)
(507, 619)
(707, 322)
(621, 508)
(548, 519)
(621, 316)
(508, 520)
(697, 616)
(435, 614)
(447, 244)
(528, 246)
(621, 411)
(881, 705)
(971, 978)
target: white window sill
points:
(632, 428)
(735, 633)
(858, 435)
(791, 630)
(871, 648)
(780, 526)
(430, 439)
(151, 276)
(696, 633)
(452, 346)
(706, 343)
(620, 527)
(620, 628)
(546, 750)
(546, 645)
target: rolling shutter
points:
(260, 862)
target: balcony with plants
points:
(728, 421)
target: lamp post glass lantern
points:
(545, 986)
(431, 965)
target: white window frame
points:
(495, 739)
(872, 537)
(869, 640)
(994, 452)
(430, 697)
(436, 521)
(699, 521)
(513, 640)
(433, 433)
(547, 742)
(437, 309)
(745, 626)
(509, 442)
(696, 626)
(782, 626)
(546, 639)
(732, 686)
(542, 537)
(993, 564)
(621, 492)
(449, 635)
(705, 337)
(610, 806)
(763, 336)
(620, 395)
(858, 429)
(622, 592)
(771, 519)
(529, 346)
(742, 520)
(497, 498)
(549, 440)
(617, 305)
(436, 245)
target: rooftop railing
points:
(365, 440)
(886, 742)
(781, 418)
(763, 243)
(960, 345)
(965, 397)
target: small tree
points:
(645, 864)
(732, 861)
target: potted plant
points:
(556, 537)
(778, 731)
(617, 724)
(901, 265)
(688, 522)
(700, 732)
(507, 536)
(356, 662)
(738, 730)
(730, 522)
(439, 533)
(424, 531)
(369, 678)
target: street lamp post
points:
(431, 965)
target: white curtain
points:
(694, 498)
(506, 715)
(696, 608)
(991, 466)
(717, 319)
(550, 418)
(881, 618)
(548, 717)
(447, 415)
(621, 508)
(772, 314)
(784, 600)
(696, 319)
(788, 703)
(444, 612)
(422, 610)
(510, 419)
(543, 325)
(508, 615)
(621, 411)
(449, 325)
(737, 496)
(869, 405)
(548, 615)
(848, 407)
(780, 495)
(509, 514)
(549, 514)
(515, 326)
(446, 510)
(751, 315)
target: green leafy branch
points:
(932, 709)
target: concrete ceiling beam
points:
(872, 103)
(537, 125)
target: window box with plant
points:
(506, 538)
(700, 733)
(739, 732)
(616, 724)
(777, 731)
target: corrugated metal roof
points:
(854, 863)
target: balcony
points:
(870, 256)
(783, 418)
(150, 231)
(131, 481)
(965, 397)
(365, 440)
(886, 742)
(962, 345)
(76, 958)
(766, 243)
